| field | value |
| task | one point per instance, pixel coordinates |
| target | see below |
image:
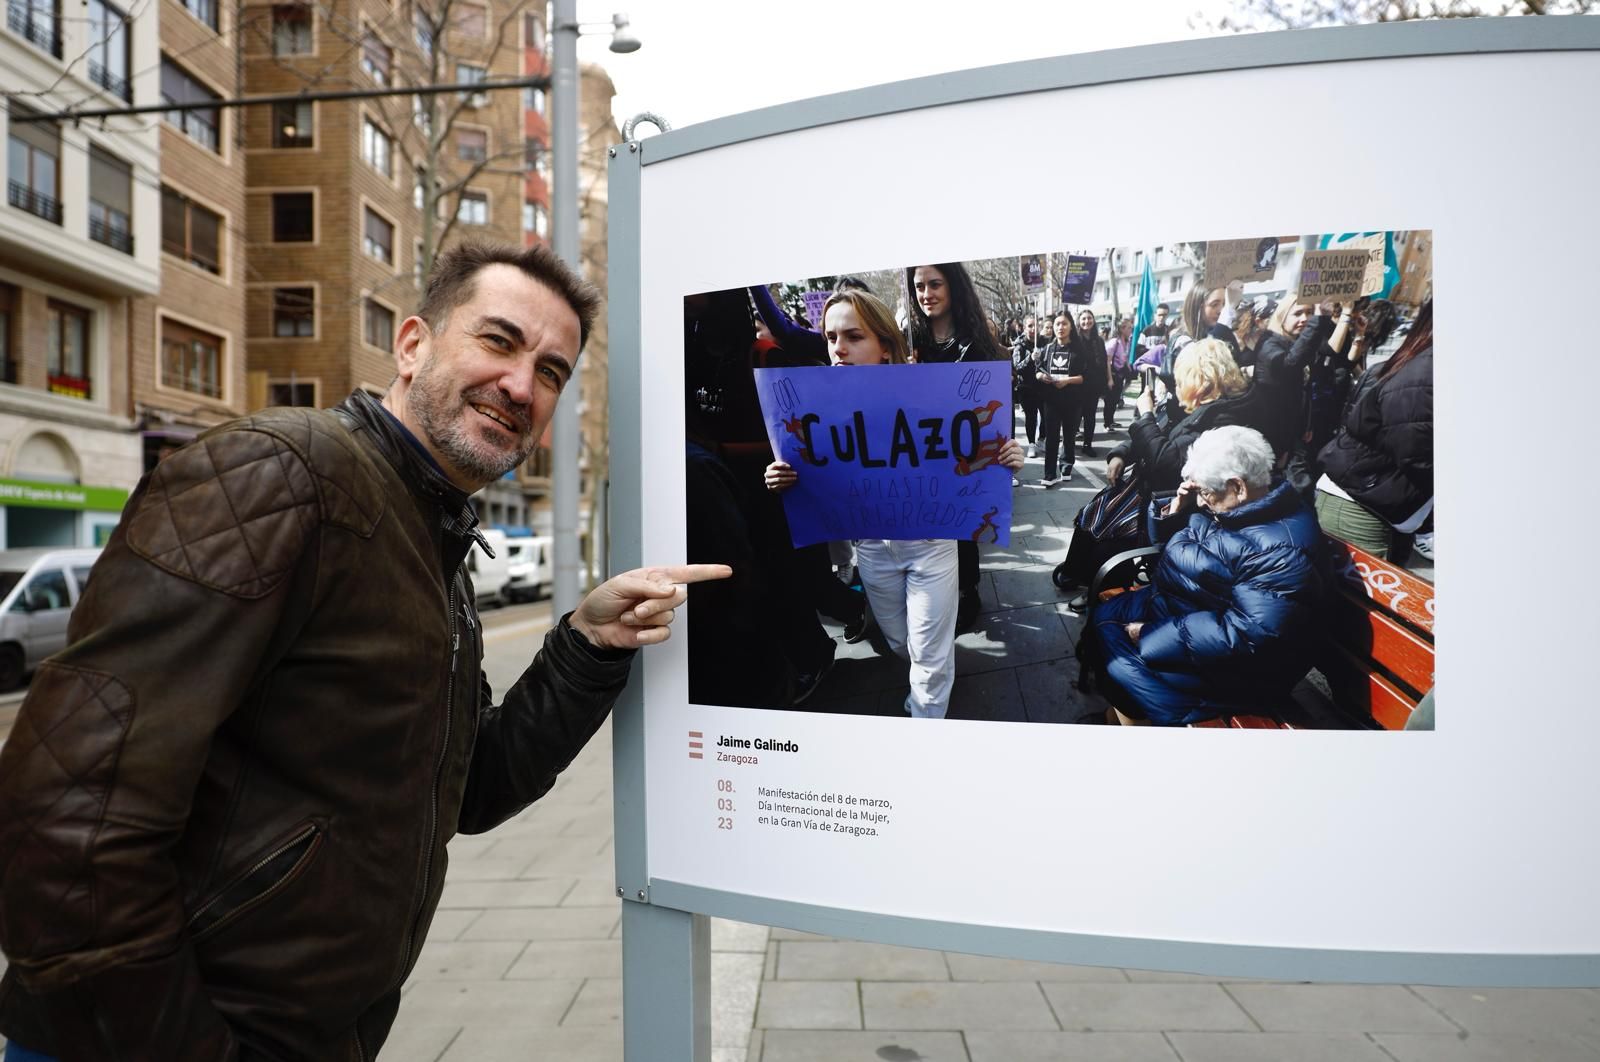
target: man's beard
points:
(445, 424)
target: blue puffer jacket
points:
(1241, 595)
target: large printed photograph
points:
(1186, 484)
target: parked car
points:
(490, 574)
(38, 590)
(530, 569)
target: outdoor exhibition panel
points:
(1458, 855)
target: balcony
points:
(116, 239)
(38, 27)
(117, 86)
(36, 203)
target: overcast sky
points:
(702, 59)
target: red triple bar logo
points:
(695, 744)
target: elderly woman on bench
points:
(1229, 622)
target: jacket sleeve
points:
(1312, 341)
(190, 599)
(1262, 609)
(546, 718)
(799, 342)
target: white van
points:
(530, 568)
(490, 574)
(38, 590)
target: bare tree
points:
(1253, 15)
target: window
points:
(423, 27)
(190, 231)
(33, 155)
(419, 190)
(469, 74)
(536, 219)
(1172, 289)
(378, 325)
(109, 49)
(191, 359)
(541, 166)
(376, 148)
(110, 200)
(469, 20)
(376, 58)
(294, 316)
(419, 275)
(291, 124)
(37, 20)
(535, 99)
(419, 116)
(472, 145)
(293, 217)
(291, 29)
(532, 148)
(67, 351)
(533, 32)
(291, 393)
(377, 237)
(9, 301)
(178, 87)
(474, 208)
(204, 10)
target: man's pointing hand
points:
(634, 608)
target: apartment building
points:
(189, 358)
(79, 247)
(347, 201)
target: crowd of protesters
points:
(1258, 426)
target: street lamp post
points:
(564, 432)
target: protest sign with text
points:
(892, 451)
(1030, 268)
(814, 301)
(1333, 276)
(1078, 288)
(1230, 260)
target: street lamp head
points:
(622, 39)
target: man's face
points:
(480, 392)
(1161, 315)
(1030, 326)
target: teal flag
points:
(1145, 309)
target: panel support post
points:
(666, 984)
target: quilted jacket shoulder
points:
(233, 510)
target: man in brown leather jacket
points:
(224, 808)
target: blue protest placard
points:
(892, 451)
(1078, 287)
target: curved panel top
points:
(1394, 40)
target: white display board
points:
(1474, 838)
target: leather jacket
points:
(224, 807)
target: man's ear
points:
(412, 344)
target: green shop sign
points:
(61, 496)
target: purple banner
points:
(892, 451)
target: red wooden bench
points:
(1378, 661)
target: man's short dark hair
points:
(451, 281)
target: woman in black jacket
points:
(1211, 393)
(1377, 484)
(1060, 370)
(948, 324)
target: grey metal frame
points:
(665, 943)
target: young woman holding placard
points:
(912, 585)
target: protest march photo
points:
(1183, 484)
